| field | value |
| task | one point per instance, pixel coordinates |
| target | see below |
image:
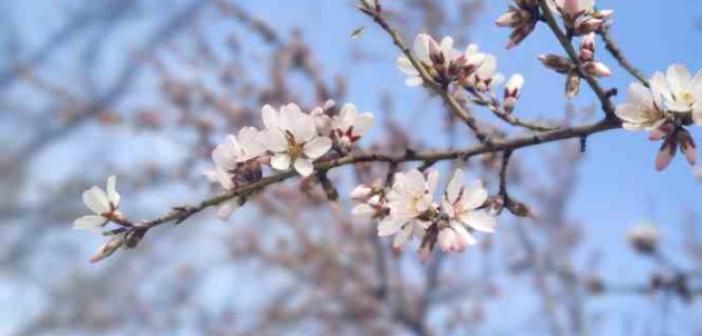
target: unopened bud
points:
(596, 69)
(556, 63)
(572, 84)
(512, 90)
(644, 238)
(587, 48)
(587, 24)
(108, 248)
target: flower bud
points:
(587, 48)
(587, 24)
(572, 84)
(596, 69)
(556, 63)
(108, 248)
(644, 238)
(512, 90)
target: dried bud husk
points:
(644, 239)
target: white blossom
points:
(103, 203)
(349, 126)
(409, 200)
(462, 206)
(292, 138)
(486, 76)
(230, 155)
(678, 91)
(642, 111)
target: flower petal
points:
(317, 147)
(480, 220)
(304, 167)
(96, 200)
(280, 161)
(89, 222)
(112, 194)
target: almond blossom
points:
(411, 205)
(580, 16)
(679, 91)
(674, 101)
(642, 112)
(440, 60)
(485, 77)
(349, 126)
(463, 208)
(292, 138)
(103, 203)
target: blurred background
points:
(145, 90)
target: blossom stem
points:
(565, 42)
(410, 156)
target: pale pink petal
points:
(96, 200)
(317, 147)
(304, 167)
(89, 222)
(280, 161)
(112, 194)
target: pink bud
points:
(666, 153)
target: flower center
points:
(687, 97)
(294, 148)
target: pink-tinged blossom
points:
(291, 136)
(103, 203)
(512, 91)
(439, 60)
(349, 126)
(679, 91)
(464, 208)
(410, 203)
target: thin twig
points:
(617, 53)
(565, 42)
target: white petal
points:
(480, 220)
(402, 236)
(421, 47)
(414, 81)
(89, 222)
(304, 167)
(280, 161)
(317, 147)
(363, 123)
(404, 64)
(475, 195)
(275, 141)
(389, 226)
(432, 181)
(112, 194)
(270, 117)
(363, 210)
(464, 234)
(453, 189)
(678, 77)
(96, 200)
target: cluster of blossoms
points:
(588, 65)
(579, 16)
(408, 209)
(472, 70)
(291, 139)
(673, 101)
